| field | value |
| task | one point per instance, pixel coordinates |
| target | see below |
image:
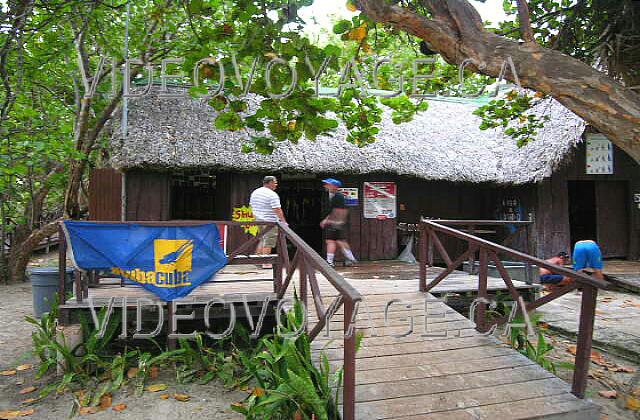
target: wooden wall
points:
(147, 195)
(105, 194)
(553, 227)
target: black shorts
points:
(551, 278)
(333, 234)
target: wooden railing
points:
(305, 264)
(430, 237)
(521, 230)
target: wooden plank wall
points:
(147, 195)
(552, 216)
(553, 226)
(105, 194)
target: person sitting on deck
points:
(547, 278)
(587, 258)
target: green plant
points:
(537, 350)
(289, 384)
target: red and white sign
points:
(380, 200)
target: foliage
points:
(510, 113)
(289, 384)
(537, 350)
(603, 33)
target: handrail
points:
(582, 278)
(306, 261)
(454, 222)
(321, 265)
(489, 251)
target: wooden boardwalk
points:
(441, 369)
(451, 372)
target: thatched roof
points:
(443, 143)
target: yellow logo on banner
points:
(173, 255)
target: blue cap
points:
(332, 181)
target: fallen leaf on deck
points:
(29, 400)
(9, 414)
(633, 403)
(164, 396)
(27, 390)
(623, 369)
(156, 387)
(119, 407)
(24, 367)
(608, 394)
(105, 401)
(132, 372)
(181, 397)
(8, 372)
(88, 410)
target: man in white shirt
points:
(265, 204)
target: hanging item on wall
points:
(245, 214)
(636, 199)
(380, 200)
(350, 196)
(510, 209)
(599, 155)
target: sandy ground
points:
(210, 401)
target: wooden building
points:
(174, 164)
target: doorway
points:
(193, 195)
(582, 211)
(301, 201)
(598, 210)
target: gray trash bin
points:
(44, 287)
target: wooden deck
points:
(451, 372)
(442, 369)
(236, 281)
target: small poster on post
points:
(350, 196)
(599, 155)
(380, 200)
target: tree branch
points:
(525, 22)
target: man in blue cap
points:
(335, 224)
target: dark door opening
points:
(613, 218)
(582, 211)
(301, 203)
(193, 196)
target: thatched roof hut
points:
(443, 143)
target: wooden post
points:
(481, 309)
(277, 267)
(422, 257)
(527, 249)
(62, 266)
(585, 336)
(349, 390)
(302, 270)
(77, 280)
(171, 342)
(472, 256)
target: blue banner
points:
(169, 261)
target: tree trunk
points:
(455, 30)
(20, 254)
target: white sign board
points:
(380, 200)
(599, 155)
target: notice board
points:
(380, 200)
